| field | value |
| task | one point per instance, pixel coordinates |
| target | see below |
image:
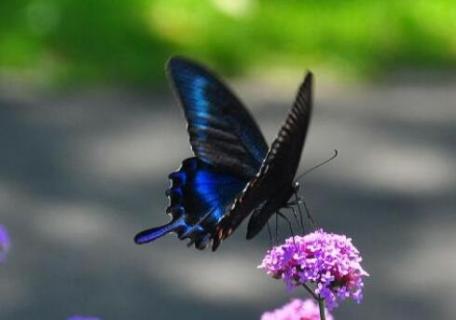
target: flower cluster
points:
(296, 310)
(5, 243)
(329, 262)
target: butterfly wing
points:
(222, 132)
(229, 150)
(198, 195)
(272, 186)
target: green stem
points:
(321, 304)
(312, 293)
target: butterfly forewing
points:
(282, 160)
(273, 185)
(222, 132)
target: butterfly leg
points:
(271, 240)
(276, 228)
(300, 201)
(299, 220)
(300, 212)
(312, 221)
(280, 214)
(297, 202)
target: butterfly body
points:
(233, 173)
(260, 217)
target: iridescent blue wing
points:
(199, 194)
(229, 150)
(222, 132)
(272, 187)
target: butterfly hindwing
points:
(198, 197)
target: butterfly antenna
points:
(319, 165)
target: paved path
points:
(82, 172)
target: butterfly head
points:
(296, 187)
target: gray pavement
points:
(82, 172)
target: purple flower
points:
(328, 262)
(5, 243)
(296, 310)
(83, 318)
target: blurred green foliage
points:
(120, 41)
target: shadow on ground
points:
(81, 173)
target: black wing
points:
(222, 131)
(272, 186)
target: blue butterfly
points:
(233, 173)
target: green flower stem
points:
(321, 304)
(320, 300)
(310, 291)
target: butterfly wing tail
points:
(152, 234)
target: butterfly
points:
(233, 173)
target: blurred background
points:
(90, 131)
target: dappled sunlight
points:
(228, 277)
(407, 170)
(392, 167)
(144, 147)
(235, 8)
(90, 132)
(91, 169)
(15, 290)
(427, 267)
(47, 43)
(79, 224)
